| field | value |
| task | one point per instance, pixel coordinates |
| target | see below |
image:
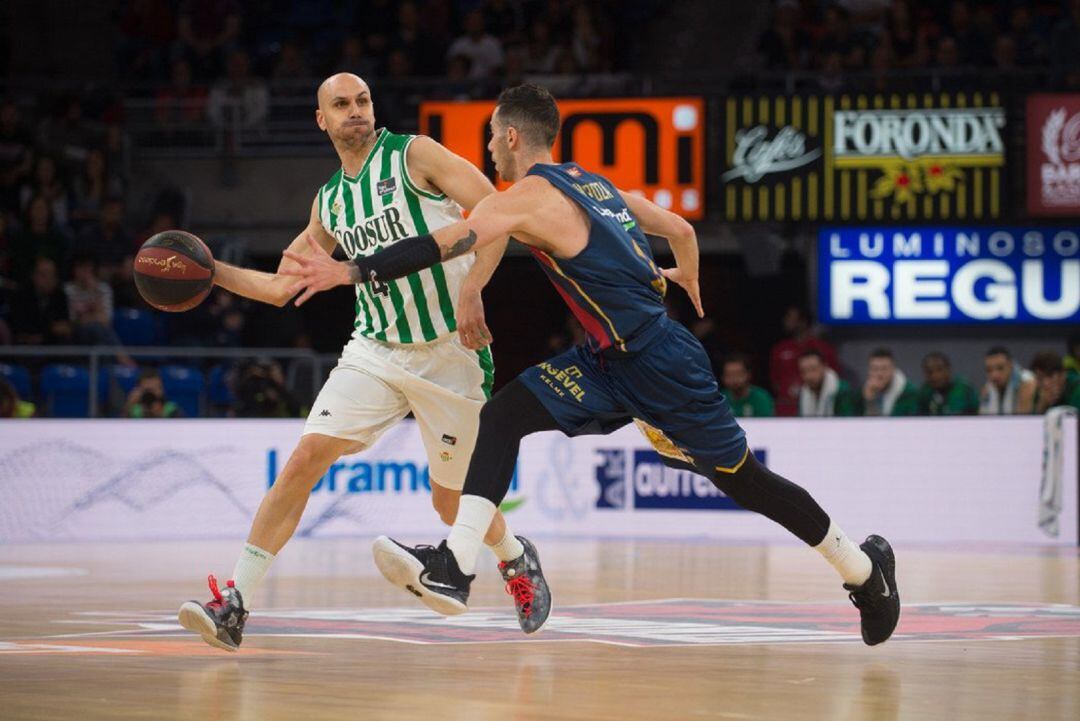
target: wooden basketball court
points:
(640, 630)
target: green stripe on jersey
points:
(420, 298)
(402, 325)
(446, 304)
(487, 364)
(361, 304)
(365, 199)
(332, 189)
(387, 156)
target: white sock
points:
(508, 548)
(846, 557)
(467, 536)
(252, 565)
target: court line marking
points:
(161, 624)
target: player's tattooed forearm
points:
(461, 246)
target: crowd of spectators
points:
(833, 38)
(1008, 388)
(183, 46)
(66, 230)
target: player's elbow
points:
(683, 231)
(279, 293)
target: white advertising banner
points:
(910, 479)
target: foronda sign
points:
(964, 136)
(949, 275)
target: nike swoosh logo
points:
(434, 584)
(888, 591)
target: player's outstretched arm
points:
(273, 288)
(438, 168)
(492, 221)
(680, 235)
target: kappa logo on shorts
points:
(662, 622)
(383, 187)
(324, 413)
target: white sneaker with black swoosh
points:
(430, 573)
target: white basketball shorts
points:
(375, 385)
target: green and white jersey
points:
(374, 210)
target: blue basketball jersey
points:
(613, 286)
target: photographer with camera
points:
(147, 398)
(261, 392)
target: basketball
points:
(174, 271)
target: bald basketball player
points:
(420, 342)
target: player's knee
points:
(445, 503)
(498, 419)
(306, 465)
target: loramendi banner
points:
(925, 479)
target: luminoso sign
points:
(949, 275)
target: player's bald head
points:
(341, 85)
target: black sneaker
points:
(525, 582)
(878, 600)
(220, 622)
(429, 573)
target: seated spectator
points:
(180, 104)
(6, 246)
(90, 301)
(1005, 53)
(68, 135)
(206, 30)
(147, 398)
(46, 184)
(1009, 388)
(425, 52)
(484, 51)
(39, 237)
(823, 392)
(504, 19)
(146, 30)
(799, 337)
(782, 46)
(291, 64)
(541, 53)
(1030, 45)
(588, 41)
(456, 85)
(354, 59)
(261, 393)
(239, 100)
(1072, 355)
(16, 155)
(39, 312)
(1064, 48)
(900, 33)
(887, 391)
(746, 400)
(108, 241)
(943, 394)
(1054, 387)
(91, 188)
(11, 406)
